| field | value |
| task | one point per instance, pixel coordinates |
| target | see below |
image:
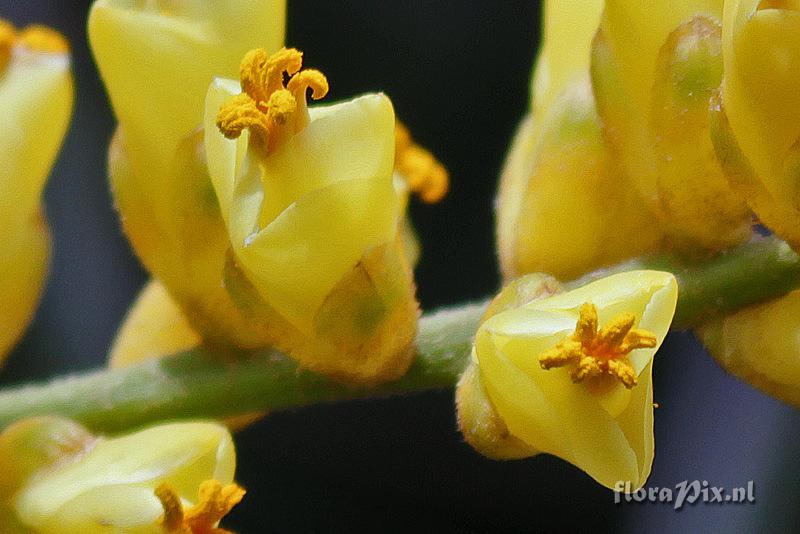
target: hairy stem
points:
(197, 384)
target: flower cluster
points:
(267, 222)
(264, 222)
(655, 126)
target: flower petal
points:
(569, 28)
(157, 59)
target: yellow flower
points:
(308, 199)
(655, 67)
(36, 96)
(760, 345)
(168, 478)
(761, 42)
(564, 206)
(570, 375)
(156, 325)
(157, 160)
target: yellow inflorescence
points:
(269, 107)
(419, 168)
(215, 501)
(594, 353)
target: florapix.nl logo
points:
(686, 492)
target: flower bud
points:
(564, 205)
(36, 96)
(701, 206)
(308, 199)
(570, 375)
(760, 345)
(478, 421)
(655, 66)
(169, 478)
(761, 53)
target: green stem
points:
(196, 384)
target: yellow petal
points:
(481, 425)
(29, 445)
(549, 412)
(762, 65)
(778, 213)
(300, 256)
(514, 179)
(157, 59)
(128, 508)
(636, 30)
(521, 291)
(411, 246)
(636, 422)
(569, 28)
(700, 208)
(348, 141)
(24, 260)
(114, 483)
(225, 157)
(624, 72)
(624, 122)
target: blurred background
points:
(458, 74)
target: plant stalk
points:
(199, 384)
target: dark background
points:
(458, 74)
